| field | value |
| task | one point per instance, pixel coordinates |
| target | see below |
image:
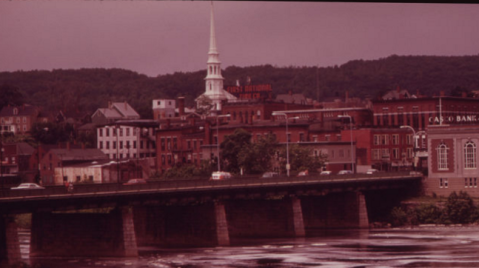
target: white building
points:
(163, 108)
(128, 139)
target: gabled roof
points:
(125, 109)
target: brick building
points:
(453, 162)
(18, 119)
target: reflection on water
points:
(419, 247)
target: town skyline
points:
(155, 38)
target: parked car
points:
(220, 175)
(135, 181)
(28, 186)
(325, 173)
(371, 171)
(303, 173)
(345, 172)
(269, 174)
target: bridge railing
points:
(197, 184)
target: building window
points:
(442, 157)
(107, 145)
(134, 144)
(341, 153)
(375, 153)
(376, 139)
(127, 131)
(114, 144)
(100, 132)
(395, 153)
(101, 145)
(470, 155)
(121, 144)
(446, 183)
(395, 138)
(301, 137)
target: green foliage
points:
(89, 89)
(428, 214)
(187, 171)
(301, 158)
(10, 95)
(459, 208)
(231, 147)
(398, 217)
(52, 133)
(256, 158)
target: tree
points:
(232, 146)
(257, 157)
(205, 104)
(301, 158)
(10, 95)
(459, 207)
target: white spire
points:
(213, 49)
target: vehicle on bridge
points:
(28, 186)
(220, 175)
(345, 172)
(135, 181)
(270, 174)
(325, 173)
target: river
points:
(410, 247)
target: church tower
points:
(214, 80)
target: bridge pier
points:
(9, 244)
(338, 210)
(265, 218)
(182, 225)
(84, 234)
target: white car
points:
(325, 173)
(28, 186)
(220, 175)
(345, 172)
(270, 174)
(371, 171)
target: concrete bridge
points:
(190, 212)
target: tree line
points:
(86, 90)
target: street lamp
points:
(414, 143)
(351, 134)
(288, 167)
(117, 154)
(218, 139)
(1, 166)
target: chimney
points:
(442, 94)
(207, 132)
(181, 106)
(109, 105)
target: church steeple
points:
(214, 79)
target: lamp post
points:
(414, 143)
(218, 139)
(351, 136)
(117, 154)
(288, 167)
(1, 166)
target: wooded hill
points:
(88, 89)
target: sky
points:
(163, 37)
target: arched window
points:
(470, 155)
(442, 157)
